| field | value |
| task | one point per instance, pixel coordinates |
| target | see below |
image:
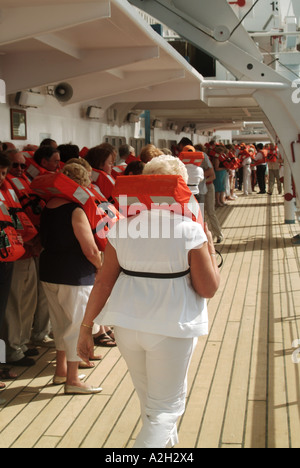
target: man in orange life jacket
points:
(126, 155)
(22, 300)
(6, 268)
(48, 158)
(33, 295)
(274, 162)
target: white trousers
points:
(67, 306)
(158, 367)
(247, 180)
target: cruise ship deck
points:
(244, 384)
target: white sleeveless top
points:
(156, 242)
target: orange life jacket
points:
(272, 156)
(83, 152)
(118, 170)
(101, 214)
(31, 203)
(33, 169)
(28, 154)
(261, 161)
(189, 157)
(11, 246)
(105, 183)
(244, 153)
(132, 158)
(22, 223)
(231, 162)
(211, 152)
(137, 193)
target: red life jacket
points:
(101, 214)
(33, 169)
(105, 183)
(83, 152)
(31, 203)
(272, 156)
(118, 170)
(28, 155)
(189, 157)
(131, 159)
(22, 223)
(231, 162)
(11, 246)
(137, 193)
(261, 161)
(211, 152)
(244, 153)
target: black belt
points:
(142, 274)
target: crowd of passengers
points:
(226, 172)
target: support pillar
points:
(289, 204)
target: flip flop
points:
(110, 333)
(105, 341)
(2, 386)
(5, 374)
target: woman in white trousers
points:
(247, 176)
(161, 391)
(68, 265)
(156, 288)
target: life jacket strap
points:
(142, 274)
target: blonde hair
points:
(168, 165)
(77, 173)
(149, 152)
(82, 162)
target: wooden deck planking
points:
(244, 388)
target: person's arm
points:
(258, 157)
(103, 286)
(210, 174)
(216, 162)
(84, 235)
(205, 273)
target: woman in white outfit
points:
(247, 175)
(156, 289)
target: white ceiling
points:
(110, 56)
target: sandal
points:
(84, 365)
(2, 386)
(111, 334)
(5, 374)
(105, 341)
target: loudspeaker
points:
(133, 118)
(95, 113)
(157, 123)
(29, 99)
(63, 92)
